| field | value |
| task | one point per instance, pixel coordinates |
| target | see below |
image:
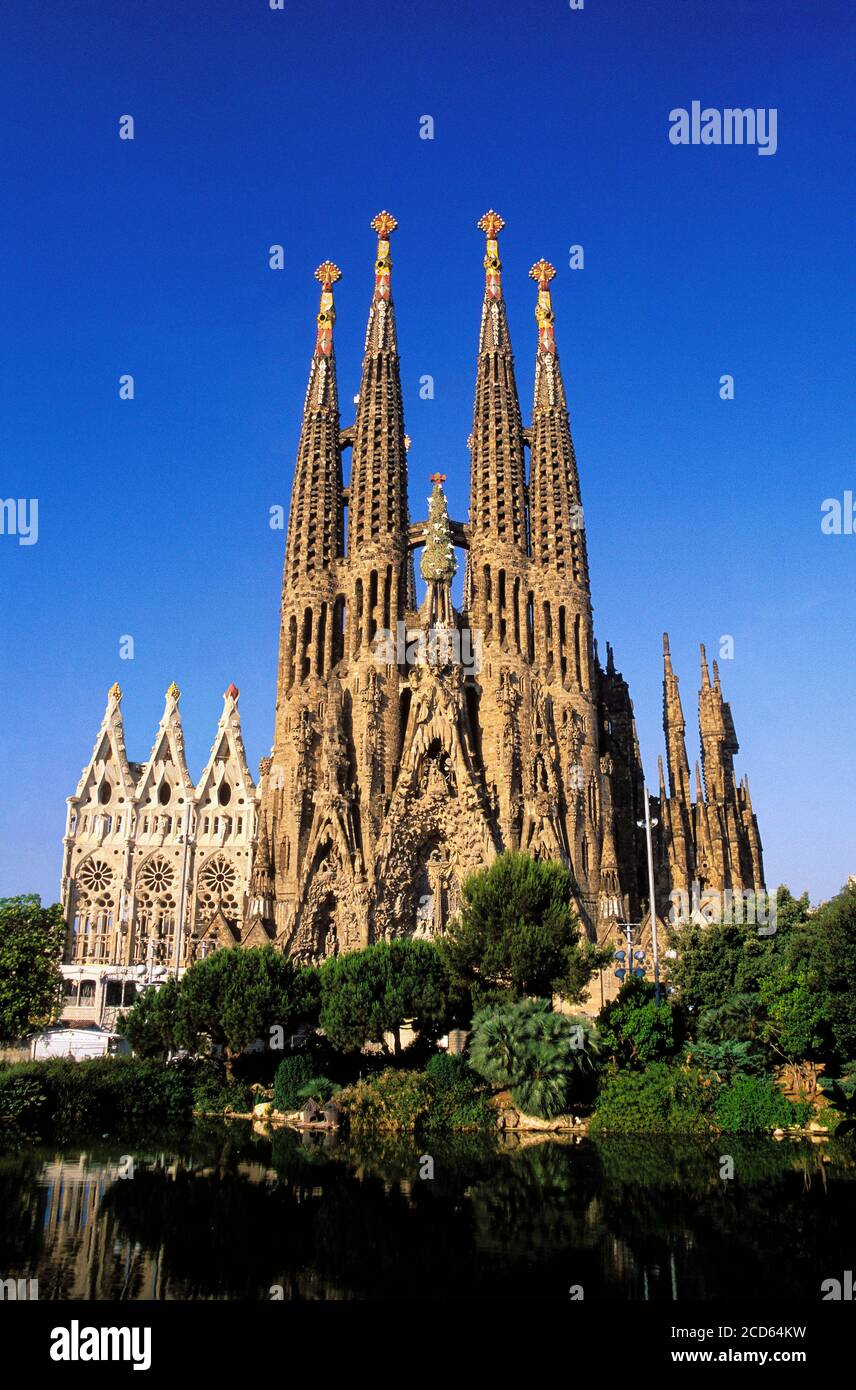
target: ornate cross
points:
(328, 273)
(384, 224)
(490, 224)
(543, 272)
(437, 478)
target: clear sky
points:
(255, 127)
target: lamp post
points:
(652, 899)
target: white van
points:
(77, 1043)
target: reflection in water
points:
(221, 1212)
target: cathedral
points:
(413, 742)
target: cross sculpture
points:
(491, 224)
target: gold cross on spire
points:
(384, 224)
(491, 224)
(328, 273)
(543, 272)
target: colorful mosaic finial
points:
(384, 224)
(437, 479)
(492, 224)
(543, 272)
(173, 692)
(115, 691)
(232, 693)
(327, 273)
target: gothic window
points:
(224, 796)
(93, 920)
(105, 792)
(94, 875)
(165, 794)
(156, 912)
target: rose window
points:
(218, 886)
(157, 875)
(94, 876)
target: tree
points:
(832, 969)
(543, 1057)
(149, 1025)
(32, 938)
(517, 933)
(239, 994)
(636, 1029)
(367, 994)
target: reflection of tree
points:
(223, 1213)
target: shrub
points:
(535, 1052)
(754, 1104)
(396, 1101)
(106, 1093)
(291, 1074)
(635, 1029)
(459, 1102)
(319, 1088)
(661, 1099)
(213, 1094)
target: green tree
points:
(32, 938)
(366, 994)
(517, 933)
(832, 969)
(544, 1058)
(237, 995)
(635, 1029)
(149, 1025)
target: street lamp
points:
(648, 823)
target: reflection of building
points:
(391, 778)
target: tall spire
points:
(315, 520)
(674, 727)
(718, 739)
(378, 491)
(555, 508)
(497, 483)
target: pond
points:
(222, 1212)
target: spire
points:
(674, 728)
(498, 492)
(378, 491)
(718, 739)
(555, 509)
(315, 520)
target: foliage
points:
(397, 1101)
(635, 1030)
(542, 1056)
(796, 1012)
(727, 1059)
(663, 1098)
(292, 1073)
(754, 1104)
(841, 1092)
(367, 994)
(460, 1101)
(832, 969)
(716, 962)
(318, 1088)
(213, 1094)
(517, 933)
(31, 945)
(112, 1093)
(237, 995)
(149, 1025)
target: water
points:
(221, 1212)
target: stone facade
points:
(412, 743)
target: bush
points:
(754, 1104)
(396, 1101)
(319, 1088)
(547, 1059)
(635, 1030)
(213, 1094)
(106, 1093)
(291, 1074)
(660, 1099)
(459, 1102)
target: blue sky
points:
(255, 127)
